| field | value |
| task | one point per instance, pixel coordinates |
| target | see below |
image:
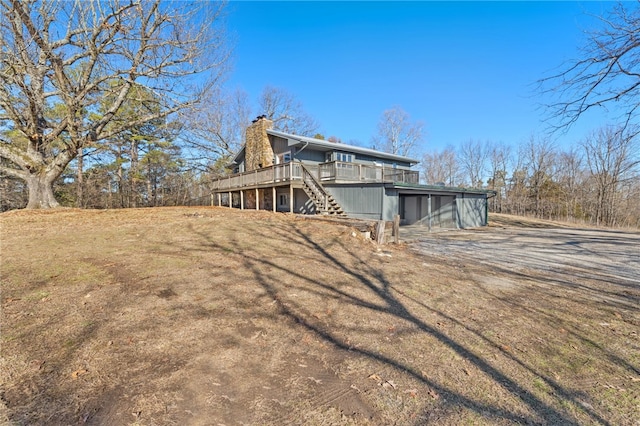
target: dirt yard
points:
(212, 316)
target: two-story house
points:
(290, 173)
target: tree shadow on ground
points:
(381, 296)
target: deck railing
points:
(354, 172)
(334, 171)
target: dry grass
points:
(213, 316)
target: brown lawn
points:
(217, 316)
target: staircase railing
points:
(315, 187)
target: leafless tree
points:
(216, 127)
(538, 156)
(60, 58)
(571, 177)
(613, 158)
(286, 112)
(441, 167)
(397, 134)
(472, 156)
(606, 75)
(499, 156)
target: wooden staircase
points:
(324, 202)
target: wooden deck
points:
(332, 172)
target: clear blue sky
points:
(467, 69)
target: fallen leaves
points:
(412, 392)
(389, 384)
(316, 381)
(375, 377)
(36, 364)
(382, 382)
(78, 373)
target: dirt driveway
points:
(579, 259)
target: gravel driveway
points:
(605, 262)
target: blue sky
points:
(466, 69)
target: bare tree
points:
(571, 178)
(499, 156)
(216, 127)
(613, 157)
(606, 75)
(286, 112)
(629, 208)
(441, 167)
(538, 156)
(59, 59)
(397, 134)
(473, 156)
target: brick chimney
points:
(258, 151)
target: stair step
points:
(325, 203)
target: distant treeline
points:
(595, 181)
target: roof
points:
(322, 145)
(238, 154)
(441, 188)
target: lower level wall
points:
(448, 211)
(471, 210)
(301, 202)
(360, 201)
(376, 202)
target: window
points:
(345, 158)
(345, 166)
(283, 200)
(283, 158)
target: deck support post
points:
(219, 199)
(230, 200)
(290, 198)
(241, 200)
(429, 212)
(257, 199)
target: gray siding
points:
(369, 159)
(310, 156)
(359, 201)
(279, 145)
(441, 214)
(461, 210)
(472, 210)
(302, 202)
(390, 204)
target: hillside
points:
(219, 316)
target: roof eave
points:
(294, 140)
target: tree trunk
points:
(41, 191)
(80, 181)
(133, 176)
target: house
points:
(290, 173)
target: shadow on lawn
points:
(376, 284)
